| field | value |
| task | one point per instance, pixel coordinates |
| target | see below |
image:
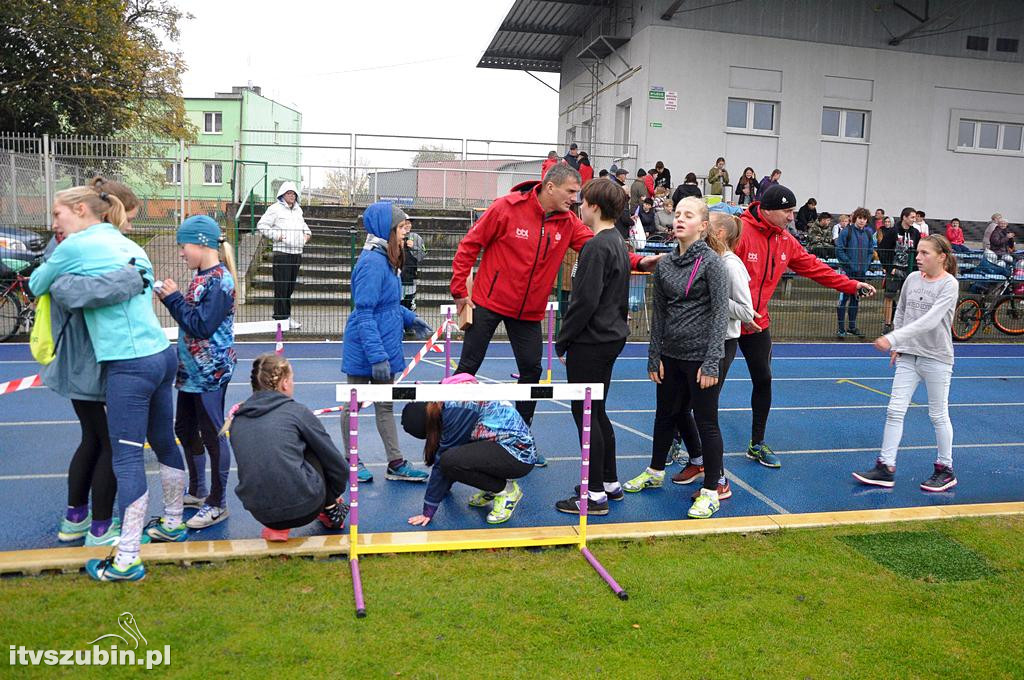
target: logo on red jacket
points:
(751, 257)
(522, 233)
(558, 237)
(783, 257)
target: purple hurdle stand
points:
(353, 513)
(584, 498)
(551, 339)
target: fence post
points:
(236, 154)
(14, 188)
(444, 189)
(351, 266)
(181, 180)
(47, 176)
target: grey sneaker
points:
(880, 475)
(942, 479)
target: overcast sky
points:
(397, 67)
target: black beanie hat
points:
(414, 419)
(777, 197)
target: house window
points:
(844, 123)
(622, 123)
(745, 114)
(173, 173)
(213, 122)
(212, 173)
(995, 136)
(977, 43)
(1007, 44)
(277, 132)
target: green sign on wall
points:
(655, 125)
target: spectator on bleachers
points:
(989, 229)
(663, 177)
(879, 219)
(663, 218)
(649, 182)
(718, 177)
(637, 190)
(807, 215)
(647, 216)
(921, 225)
(746, 187)
(585, 169)
(573, 157)
(897, 250)
(687, 188)
(660, 196)
(956, 236)
(837, 228)
(768, 180)
(551, 160)
(1002, 244)
(853, 250)
(819, 237)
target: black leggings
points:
(285, 271)
(757, 351)
(687, 426)
(90, 467)
(483, 465)
(330, 498)
(677, 389)
(593, 364)
(525, 338)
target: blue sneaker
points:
(405, 473)
(363, 474)
(541, 461)
(72, 531)
(763, 454)
(158, 532)
(106, 570)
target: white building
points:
(859, 102)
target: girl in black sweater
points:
(594, 331)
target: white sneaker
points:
(191, 501)
(207, 516)
(294, 325)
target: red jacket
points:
(523, 251)
(767, 251)
(586, 173)
(546, 165)
(649, 183)
(955, 234)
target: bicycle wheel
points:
(1008, 315)
(10, 315)
(966, 319)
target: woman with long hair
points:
(747, 187)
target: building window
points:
(844, 123)
(745, 114)
(977, 43)
(173, 173)
(212, 173)
(213, 122)
(1007, 44)
(622, 123)
(277, 132)
(990, 136)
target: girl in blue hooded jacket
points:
(372, 350)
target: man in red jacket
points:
(768, 250)
(524, 236)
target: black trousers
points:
(285, 273)
(482, 465)
(330, 497)
(91, 468)
(677, 389)
(197, 424)
(593, 364)
(527, 344)
(757, 351)
(686, 425)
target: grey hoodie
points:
(691, 308)
(271, 436)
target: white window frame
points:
(213, 123)
(978, 118)
(749, 127)
(217, 172)
(174, 170)
(842, 136)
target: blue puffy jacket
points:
(853, 250)
(375, 327)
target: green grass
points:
(793, 604)
(927, 555)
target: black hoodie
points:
(271, 436)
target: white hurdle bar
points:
(244, 328)
(472, 392)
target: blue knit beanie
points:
(201, 230)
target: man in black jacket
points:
(897, 251)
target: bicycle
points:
(998, 307)
(17, 308)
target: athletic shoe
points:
(363, 474)
(616, 495)
(481, 499)
(191, 501)
(724, 491)
(294, 325)
(106, 570)
(677, 453)
(644, 480)
(72, 531)
(541, 461)
(158, 532)
(942, 479)
(207, 516)
(334, 518)
(571, 506)
(405, 473)
(880, 475)
(688, 474)
(763, 454)
(504, 505)
(110, 537)
(704, 507)
(274, 535)
(856, 332)
(840, 333)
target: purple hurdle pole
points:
(584, 497)
(353, 513)
(448, 346)
(551, 336)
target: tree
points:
(430, 152)
(91, 68)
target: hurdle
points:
(586, 392)
(552, 308)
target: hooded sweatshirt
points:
(284, 226)
(271, 436)
(691, 308)
(373, 332)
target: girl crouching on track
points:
(289, 471)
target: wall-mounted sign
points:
(655, 124)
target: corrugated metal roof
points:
(536, 33)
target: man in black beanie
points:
(768, 250)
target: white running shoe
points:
(191, 501)
(207, 516)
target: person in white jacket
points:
(284, 227)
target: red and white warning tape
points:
(20, 384)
